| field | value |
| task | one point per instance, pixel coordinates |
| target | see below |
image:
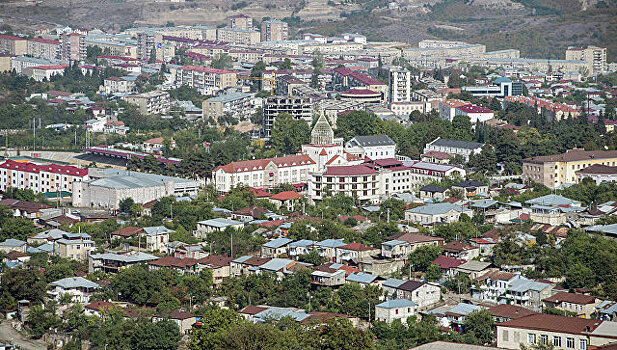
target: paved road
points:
(9, 334)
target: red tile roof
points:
(206, 70)
(286, 195)
(215, 260)
(170, 261)
(510, 311)
(446, 262)
(99, 305)
(553, 323)
(458, 246)
(252, 310)
(260, 164)
(359, 247)
(45, 41)
(128, 231)
(349, 170)
(572, 298)
(51, 168)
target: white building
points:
(404, 109)
(396, 309)
(454, 147)
(475, 113)
(400, 85)
(373, 147)
(425, 172)
(598, 173)
(447, 108)
(79, 288)
(264, 173)
(438, 213)
(491, 286)
(40, 178)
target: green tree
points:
(313, 257)
(42, 319)
(16, 228)
(420, 259)
(223, 61)
(433, 273)
(215, 322)
(480, 324)
(161, 335)
(21, 283)
(289, 134)
(126, 204)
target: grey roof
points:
(276, 264)
(605, 329)
(331, 243)
(74, 282)
(372, 140)
(552, 200)
(361, 277)
(302, 243)
(74, 241)
(396, 303)
(464, 309)
(393, 282)
(11, 242)
(394, 242)
(522, 285)
(474, 265)
(469, 183)
(157, 230)
(608, 229)
(485, 203)
(124, 179)
(279, 312)
(219, 222)
(277, 243)
(456, 143)
(430, 166)
(127, 258)
(436, 209)
(229, 97)
(444, 345)
(53, 234)
(242, 259)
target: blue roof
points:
(436, 208)
(279, 312)
(523, 285)
(485, 203)
(277, 243)
(393, 282)
(242, 259)
(302, 243)
(396, 303)
(331, 243)
(394, 242)
(276, 264)
(502, 80)
(551, 200)
(219, 222)
(11, 242)
(361, 277)
(464, 309)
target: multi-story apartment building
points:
(207, 80)
(237, 104)
(425, 172)
(549, 109)
(118, 85)
(40, 178)
(146, 42)
(72, 47)
(594, 56)
(556, 170)
(153, 102)
(358, 181)
(447, 108)
(297, 107)
(5, 62)
(264, 173)
(400, 85)
(13, 45)
(40, 73)
(347, 79)
(241, 22)
(238, 36)
(44, 48)
(274, 30)
(454, 147)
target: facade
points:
(117, 85)
(476, 114)
(454, 147)
(358, 181)
(40, 178)
(373, 147)
(215, 225)
(116, 261)
(400, 85)
(593, 56)
(598, 173)
(153, 102)
(241, 22)
(345, 78)
(264, 173)
(44, 73)
(205, 79)
(109, 186)
(44, 48)
(422, 293)
(425, 172)
(274, 30)
(556, 170)
(492, 285)
(76, 248)
(582, 305)
(157, 238)
(404, 109)
(13, 45)
(297, 107)
(79, 288)
(72, 47)
(431, 214)
(237, 104)
(396, 309)
(238, 36)
(447, 108)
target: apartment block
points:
(44, 48)
(274, 30)
(241, 22)
(238, 36)
(72, 47)
(13, 45)
(236, 104)
(297, 107)
(153, 102)
(40, 178)
(594, 56)
(207, 80)
(556, 170)
(400, 85)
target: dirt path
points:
(10, 335)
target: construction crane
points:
(271, 80)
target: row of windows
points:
(556, 341)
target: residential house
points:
(485, 245)
(116, 261)
(461, 250)
(218, 264)
(373, 147)
(506, 312)
(457, 314)
(79, 288)
(580, 304)
(11, 244)
(184, 320)
(363, 279)
(527, 293)
(448, 265)
(324, 275)
(216, 225)
(127, 232)
(560, 331)
(396, 309)
(474, 268)
(275, 248)
(401, 244)
(436, 213)
(75, 246)
(422, 293)
(249, 213)
(454, 147)
(433, 192)
(299, 248)
(97, 307)
(157, 237)
(183, 266)
(471, 188)
(354, 252)
(286, 199)
(492, 285)
(327, 248)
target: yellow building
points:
(556, 170)
(13, 45)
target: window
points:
(557, 341)
(504, 335)
(543, 339)
(583, 344)
(531, 338)
(570, 343)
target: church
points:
(325, 150)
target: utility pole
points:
(231, 245)
(388, 215)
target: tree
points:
(152, 58)
(223, 61)
(126, 204)
(289, 134)
(480, 324)
(433, 273)
(215, 322)
(340, 334)
(42, 319)
(22, 283)
(459, 283)
(17, 228)
(313, 257)
(286, 63)
(161, 335)
(420, 259)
